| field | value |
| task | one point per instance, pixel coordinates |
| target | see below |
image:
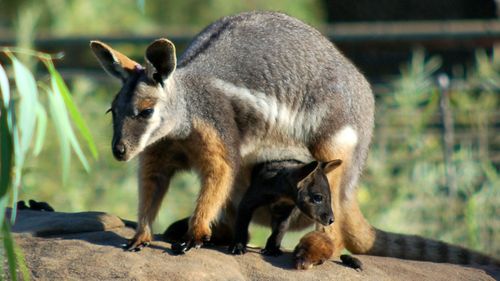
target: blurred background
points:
(434, 65)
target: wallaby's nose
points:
(119, 150)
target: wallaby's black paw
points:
(40, 206)
(274, 252)
(352, 262)
(21, 205)
(237, 249)
(34, 206)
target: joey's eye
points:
(317, 198)
(146, 113)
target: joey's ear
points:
(330, 165)
(306, 170)
(160, 60)
(114, 62)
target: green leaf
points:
(4, 87)
(64, 147)
(40, 129)
(7, 152)
(68, 129)
(21, 263)
(58, 82)
(28, 93)
(9, 249)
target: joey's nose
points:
(327, 219)
(119, 150)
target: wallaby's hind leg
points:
(342, 145)
(350, 228)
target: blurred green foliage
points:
(403, 188)
(23, 124)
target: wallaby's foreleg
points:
(279, 225)
(153, 184)
(216, 166)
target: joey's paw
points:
(274, 252)
(237, 249)
(180, 248)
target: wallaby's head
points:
(147, 107)
(314, 197)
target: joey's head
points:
(147, 107)
(313, 191)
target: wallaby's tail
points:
(362, 238)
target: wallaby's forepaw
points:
(237, 249)
(352, 262)
(180, 248)
(138, 243)
(200, 234)
(271, 252)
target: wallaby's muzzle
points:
(119, 150)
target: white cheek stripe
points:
(152, 125)
(297, 124)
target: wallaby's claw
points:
(271, 252)
(237, 249)
(135, 246)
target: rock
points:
(87, 246)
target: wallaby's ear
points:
(160, 60)
(330, 165)
(114, 62)
(306, 170)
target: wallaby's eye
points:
(317, 198)
(146, 113)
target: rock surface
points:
(87, 246)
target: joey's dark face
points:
(136, 119)
(314, 197)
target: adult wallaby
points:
(284, 187)
(250, 88)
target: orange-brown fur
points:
(126, 63)
(210, 159)
(313, 249)
(204, 152)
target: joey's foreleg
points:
(248, 205)
(279, 225)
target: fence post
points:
(443, 82)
